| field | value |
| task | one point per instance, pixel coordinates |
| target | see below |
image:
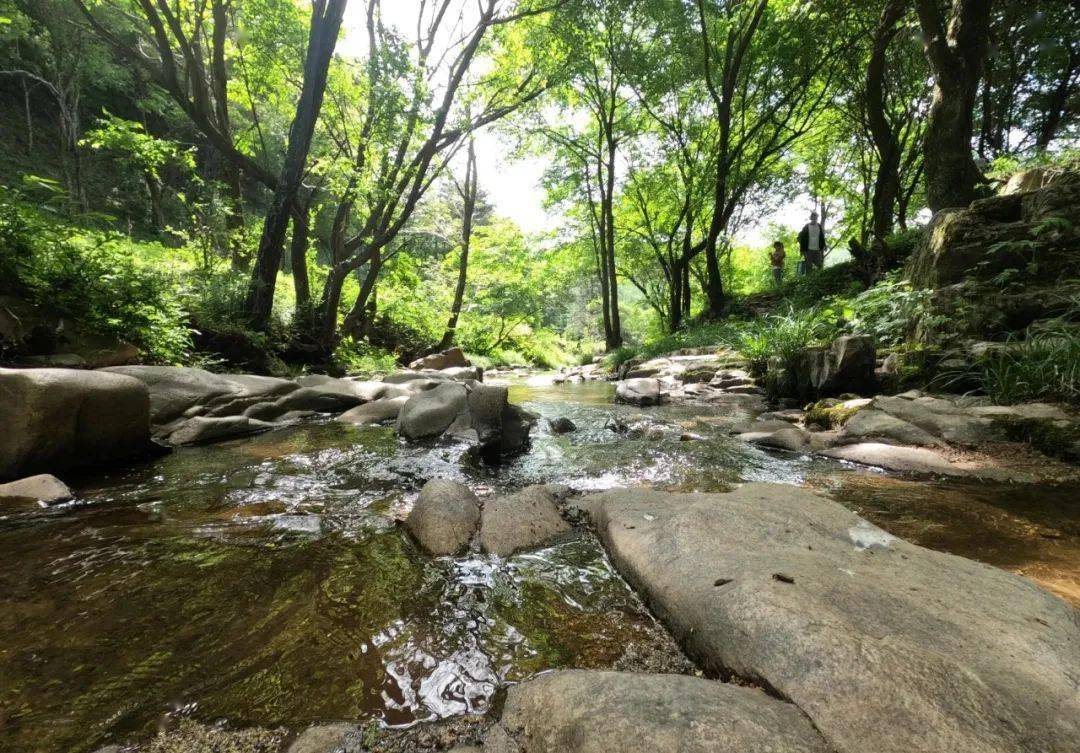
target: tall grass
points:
(1042, 367)
(781, 336)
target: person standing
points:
(776, 257)
(812, 244)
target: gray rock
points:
(790, 438)
(895, 458)
(452, 374)
(54, 419)
(878, 425)
(846, 366)
(322, 738)
(578, 711)
(376, 412)
(886, 646)
(561, 425)
(523, 520)
(444, 360)
(431, 412)
(41, 488)
(639, 392)
(174, 390)
(940, 418)
(211, 429)
(444, 518)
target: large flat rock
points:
(600, 712)
(52, 419)
(886, 646)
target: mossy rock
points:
(1058, 439)
(831, 414)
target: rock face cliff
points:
(1006, 267)
(1035, 232)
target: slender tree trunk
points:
(955, 51)
(325, 25)
(298, 260)
(1059, 100)
(468, 197)
(607, 199)
(354, 323)
(234, 219)
(887, 181)
(157, 214)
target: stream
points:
(265, 581)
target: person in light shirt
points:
(812, 244)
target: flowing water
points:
(265, 581)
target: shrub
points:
(95, 279)
(778, 338)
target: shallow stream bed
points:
(264, 580)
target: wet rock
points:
(475, 413)
(376, 412)
(323, 738)
(883, 427)
(444, 360)
(444, 518)
(41, 488)
(208, 429)
(561, 425)
(790, 438)
(54, 419)
(886, 646)
(639, 392)
(519, 521)
(895, 458)
(579, 711)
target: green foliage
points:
(1044, 366)
(96, 279)
(362, 358)
(776, 339)
(890, 311)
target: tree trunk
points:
(1059, 101)
(615, 339)
(354, 323)
(298, 260)
(468, 197)
(887, 181)
(955, 52)
(234, 218)
(157, 214)
(325, 25)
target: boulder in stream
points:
(643, 391)
(884, 645)
(519, 521)
(476, 413)
(444, 518)
(42, 488)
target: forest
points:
(216, 182)
(539, 376)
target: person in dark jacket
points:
(812, 244)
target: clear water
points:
(265, 581)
